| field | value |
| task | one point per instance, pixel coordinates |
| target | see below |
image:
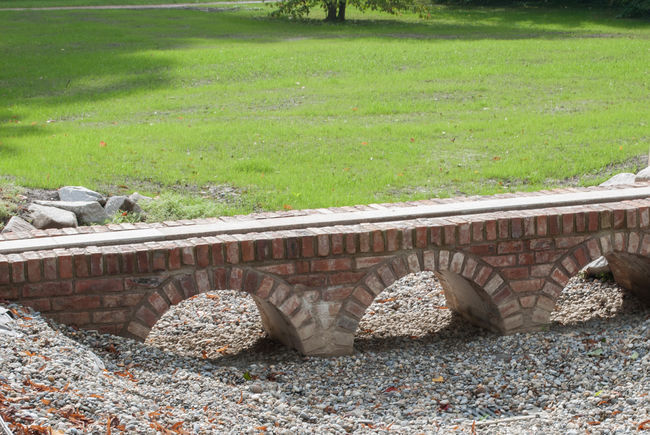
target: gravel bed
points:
(207, 367)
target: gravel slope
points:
(418, 368)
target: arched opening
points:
(211, 325)
(412, 308)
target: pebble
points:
(208, 367)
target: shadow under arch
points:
(283, 314)
(628, 255)
(472, 288)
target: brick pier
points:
(502, 261)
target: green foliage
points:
(9, 199)
(175, 206)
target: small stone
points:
(597, 268)
(17, 224)
(115, 204)
(80, 193)
(136, 197)
(51, 217)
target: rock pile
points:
(76, 205)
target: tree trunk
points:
(341, 16)
(331, 10)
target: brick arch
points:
(463, 276)
(281, 308)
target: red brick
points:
(377, 241)
(277, 246)
(606, 244)
(264, 288)
(567, 223)
(580, 221)
(202, 253)
(307, 246)
(146, 316)
(619, 242)
(374, 284)
(493, 284)
(41, 305)
(289, 306)
(220, 278)
(605, 219)
(529, 226)
(158, 303)
(515, 272)
(644, 217)
(75, 303)
(279, 295)
(570, 265)
(503, 225)
(503, 294)
(4, 270)
(407, 239)
(429, 258)
(517, 227)
(218, 256)
(413, 263)
(491, 230)
(559, 277)
(263, 249)
(501, 260)
(554, 224)
(540, 244)
(619, 219)
(542, 226)
(525, 259)
(112, 316)
(351, 243)
(592, 221)
(528, 285)
(173, 293)
(331, 265)
(81, 268)
(345, 277)
(65, 265)
(593, 249)
(477, 231)
(464, 235)
(449, 232)
(580, 255)
(484, 249)
(314, 280)
(174, 257)
(436, 236)
(159, 260)
(510, 247)
(186, 284)
(336, 293)
(247, 250)
(541, 270)
(548, 256)
(399, 267)
(443, 260)
(236, 279)
(355, 309)
(142, 258)
(121, 300)
(323, 245)
(280, 269)
(337, 243)
(364, 242)
(456, 263)
(386, 275)
(202, 279)
(508, 308)
(363, 296)
(633, 243)
(99, 285)
(631, 220)
(645, 246)
(251, 282)
(34, 269)
(47, 289)
(392, 239)
(568, 242)
(232, 252)
(96, 264)
(470, 268)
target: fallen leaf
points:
(496, 158)
(287, 207)
(438, 379)
(593, 423)
(643, 425)
(102, 144)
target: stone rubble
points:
(87, 212)
(51, 217)
(17, 224)
(207, 368)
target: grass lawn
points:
(307, 114)
(6, 4)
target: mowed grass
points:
(307, 114)
(9, 4)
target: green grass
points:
(8, 4)
(307, 114)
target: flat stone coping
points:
(324, 220)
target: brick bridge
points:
(502, 261)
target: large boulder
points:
(51, 217)
(115, 204)
(88, 212)
(618, 179)
(80, 193)
(643, 176)
(17, 224)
